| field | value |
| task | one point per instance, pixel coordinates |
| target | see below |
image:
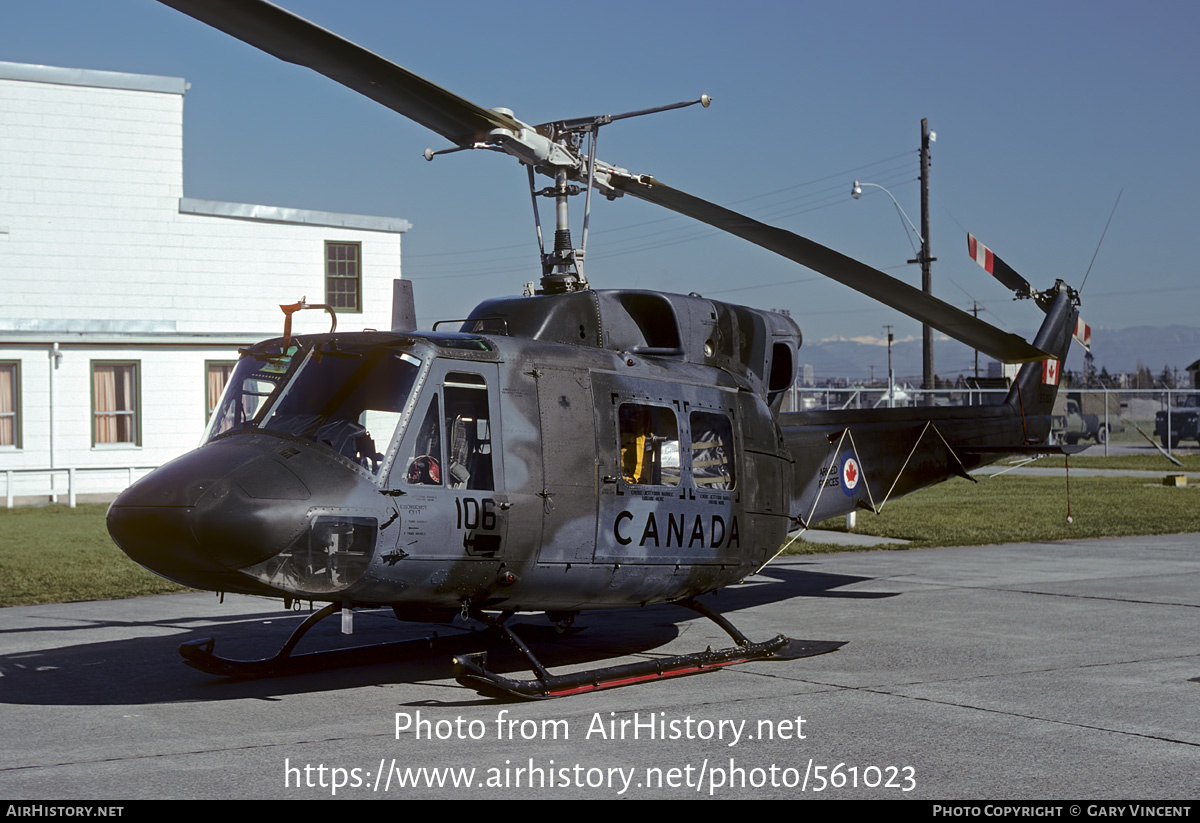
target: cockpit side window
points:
(468, 432)
(649, 437)
(425, 462)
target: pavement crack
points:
(1073, 724)
(184, 753)
(1069, 595)
(1111, 599)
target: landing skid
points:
(471, 670)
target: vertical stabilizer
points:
(1037, 383)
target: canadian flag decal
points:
(1050, 372)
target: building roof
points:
(92, 77)
(281, 214)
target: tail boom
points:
(849, 459)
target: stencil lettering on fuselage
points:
(650, 526)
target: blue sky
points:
(1043, 112)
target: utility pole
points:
(926, 258)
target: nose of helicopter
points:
(202, 517)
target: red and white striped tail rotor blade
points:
(997, 268)
(980, 253)
(1083, 333)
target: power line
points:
(644, 223)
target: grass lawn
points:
(1016, 509)
(55, 554)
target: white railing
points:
(1130, 411)
(862, 397)
(72, 474)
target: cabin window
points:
(468, 432)
(712, 451)
(425, 461)
(115, 404)
(649, 445)
(343, 276)
(10, 405)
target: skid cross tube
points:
(199, 653)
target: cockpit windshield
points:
(348, 400)
(254, 379)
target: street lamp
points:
(856, 191)
(925, 255)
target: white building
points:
(124, 301)
(806, 375)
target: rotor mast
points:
(563, 266)
(556, 150)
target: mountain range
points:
(1118, 350)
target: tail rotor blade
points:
(996, 267)
(1083, 333)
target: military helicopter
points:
(566, 450)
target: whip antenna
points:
(1097, 251)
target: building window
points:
(10, 404)
(216, 375)
(343, 276)
(115, 403)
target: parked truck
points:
(1184, 422)
(1080, 416)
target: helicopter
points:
(565, 450)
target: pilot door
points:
(450, 467)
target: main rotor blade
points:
(1009, 348)
(296, 40)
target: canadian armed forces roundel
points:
(851, 474)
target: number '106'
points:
(475, 514)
